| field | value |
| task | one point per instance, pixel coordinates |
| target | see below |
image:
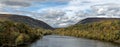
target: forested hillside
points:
(16, 33)
(25, 19)
(107, 30)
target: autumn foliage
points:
(107, 30)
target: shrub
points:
(108, 30)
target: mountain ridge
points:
(95, 19)
(25, 19)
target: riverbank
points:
(69, 41)
(16, 33)
(108, 30)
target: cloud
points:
(57, 17)
(105, 10)
(39, 0)
(16, 3)
(28, 5)
(63, 15)
(52, 17)
(48, 0)
(76, 10)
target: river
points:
(67, 41)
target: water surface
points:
(66, 41)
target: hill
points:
(21, 30)
(25, 19)
(94, 28)
(13, 34)
(91, 20)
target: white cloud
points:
(76, 10)
(25, 3)
(38, 0)
(71, 13)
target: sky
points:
(61, 13)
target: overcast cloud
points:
(62, 13)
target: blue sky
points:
(41, 5)
(61, 13)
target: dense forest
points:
(106, 30)
(17, 33)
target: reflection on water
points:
(66, 41)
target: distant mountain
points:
(91, 20)
(25, 19)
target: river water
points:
(66, 41)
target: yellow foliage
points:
(21, 39)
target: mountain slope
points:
(13, 34)
(24, 19)
(91, 20)
(97, 28)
